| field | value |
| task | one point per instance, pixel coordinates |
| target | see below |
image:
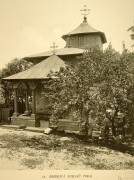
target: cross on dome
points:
(54, 48)
(85, 12)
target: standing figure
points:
(106, 131)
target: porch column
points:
(26, 98)
(33, 103)
(15, 114)
(33, 85)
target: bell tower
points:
(85, 36)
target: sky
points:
(28, 27)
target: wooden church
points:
(77, 41)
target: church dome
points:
(85, 28)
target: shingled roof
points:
(85, 28)
(40, 70)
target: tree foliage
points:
(131, 29)
(100, 85)
(116, 90)
(13, 67)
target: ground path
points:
(22, 150)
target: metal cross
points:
(85, 11)
(54, 48)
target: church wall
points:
(71, 59)
(92, 40)
(41, 101)
(85, 40)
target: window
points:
(80, 41)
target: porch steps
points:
(32, 129)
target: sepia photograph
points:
(67, 89)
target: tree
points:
(74, 89)
(100, 85)
(132, 33)
(116, 90)
(13, 67)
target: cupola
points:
(85, 36)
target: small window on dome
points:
(68, 41)
(81, 41)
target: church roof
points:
(40, 70)
(59, 52)
(85, 28)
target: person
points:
(106, 131)
(86, 128)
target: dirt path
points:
(21, 150)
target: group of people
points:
(106, 130)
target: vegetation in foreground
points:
(99, 88)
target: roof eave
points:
(103, 37)
(44, 57)
(101, 33)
